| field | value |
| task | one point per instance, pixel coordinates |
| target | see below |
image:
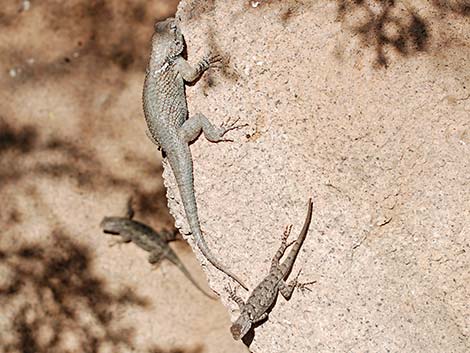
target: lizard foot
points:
(213, 60)
(114, 242)
(304, 286)
(228, 126)
(232, 295)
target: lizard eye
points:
(173, 27)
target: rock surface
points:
(364, 106)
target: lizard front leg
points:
(261, 318)
(168, 236)
(191, 73)
(155, 257)
(119, 241)
(233, 296)
(287, 289)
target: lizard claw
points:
(212, 59)
(304, 286)
(228, 125)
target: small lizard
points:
(148, 239)
(166, 114)
(263, 296)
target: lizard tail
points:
(183, 269)
(183, 170)
(288, 263)
(202, 245)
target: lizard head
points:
(240, 327)
(167, 41)
(113, 225)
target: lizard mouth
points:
(108, 231)
(106, 226)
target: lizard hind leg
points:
(118, 242)
(192, 128)
(304, 285)
(169, 236)
(287, 289)
(282, 248)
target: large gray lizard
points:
(147, 239)
(166, 114)
(263, 296)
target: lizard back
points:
(164, 99)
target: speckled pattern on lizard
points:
(263, 296)
(147, 239)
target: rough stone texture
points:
(365, 107)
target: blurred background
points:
(73, 149)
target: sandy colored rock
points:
(365, 107)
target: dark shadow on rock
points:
(75, 163)
(195, 9)
(109, 32)
(458, 7)
(386, 24)
(383, 25)
(24, 155)
(96, 45)
(151, 203)
(59, 301)
(21, 140)
(156, 349)
(287, 9)
(223, 68)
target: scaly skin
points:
(263, 296)
(166, 114)
(148, 239)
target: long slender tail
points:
(177, 262)
(182, 166)
(289, 261)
